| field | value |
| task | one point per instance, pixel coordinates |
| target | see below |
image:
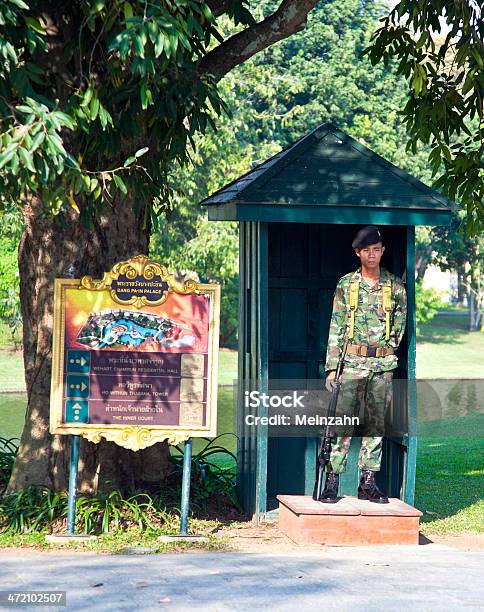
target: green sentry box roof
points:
(328, 177)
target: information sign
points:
(135, 356)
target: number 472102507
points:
(32, 598)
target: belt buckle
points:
(371, 351)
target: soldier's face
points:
(371, 255)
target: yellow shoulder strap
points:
(387, 307)
(354, 293)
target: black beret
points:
(369, 234)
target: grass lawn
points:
(447, 349)
(11, 371)
(6, 338)
(450, 471)
(450, 484)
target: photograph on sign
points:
(135, 356)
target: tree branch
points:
(289, 18)
(218, 7)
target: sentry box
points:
(298, 212)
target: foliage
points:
(8, 452)
(315, 76)
(10, 231)
(98, 99)
(38, 508)
(273, 98)
(211, 255)
(444, 67)
(213, 485)
(10, 307)
(428, 303)
(453, 248)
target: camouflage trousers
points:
(368, 395)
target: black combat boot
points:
(330, 493)
(368, 489)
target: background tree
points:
(10, 232)
(98, 99)
(315, 76)
(439, 47)
(453, 250)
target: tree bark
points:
(47, 251)
(423, 260)
(289, 18)
(475, 299)
(462, 291)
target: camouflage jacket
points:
(369, 321)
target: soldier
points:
(369, 313)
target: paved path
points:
(435, 578)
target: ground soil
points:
(267, 538)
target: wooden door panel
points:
(305, 262)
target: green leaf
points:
(26, 159)
(35, 25)
(23, 108)
(185, 42)
(138, 46)
(102, 117)
(21, 4)
(120, 184)
(468, 83)
(98, 6)
(94, 108)
(93, 184)
(78, 185)
(159, 45)
(146, 97)
(128, 10)
(478, 57)
(153, 31)
(11, 51)
(87, 97)
(64, 119)
(7, 155)
(422, 39)
(141, 152)
(129, 161)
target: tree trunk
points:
(461, 286)
(47, 251)
(475, 299)
(423, 260)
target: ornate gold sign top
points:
(140, 282)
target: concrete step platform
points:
(349, 522)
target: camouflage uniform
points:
(367, 381)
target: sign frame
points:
(133, 437)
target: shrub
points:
(428, 303)
(39, 508)
(8, 452)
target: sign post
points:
(71, 500)
(185, 496)
(135, 359)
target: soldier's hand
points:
(330, 384)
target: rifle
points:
(325, 450)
